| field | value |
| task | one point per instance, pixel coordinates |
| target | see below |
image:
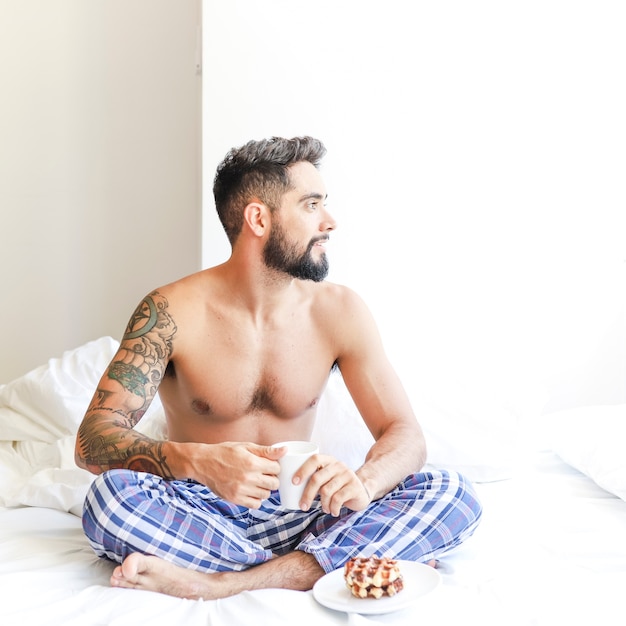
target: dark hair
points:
(259, 171)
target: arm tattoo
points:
(130, 377)
(107, 449)
(146, 347)
(106, 437)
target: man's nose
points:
(328, 223)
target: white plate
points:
(419, 580)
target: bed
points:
(550, 550)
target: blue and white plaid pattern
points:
(187, 524)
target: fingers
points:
(335, 483)
(270, 452)
(313, 464)
(247, 476)
(251, 492)
(332, 489)
(267, 457)
(254, 500)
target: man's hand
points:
(335, 482)
(242, 473)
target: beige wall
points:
(100, 192)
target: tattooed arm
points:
(106, 438)
(243, 473)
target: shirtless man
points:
(240, 354)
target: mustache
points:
(318, 238)
(313, 241)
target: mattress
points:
(550, 550)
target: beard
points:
(280, 255)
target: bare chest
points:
(247, 385)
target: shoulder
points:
(344, 317)
(163, 309)
(182, 293)
(336, 297)
(343, 309)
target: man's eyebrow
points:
(313, 196)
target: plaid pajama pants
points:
(187, 524)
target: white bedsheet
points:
(551, 550)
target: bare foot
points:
(296, 570)
(150, 573)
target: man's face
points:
(300, 227)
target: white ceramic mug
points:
(297, 453)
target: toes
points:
(127, 574)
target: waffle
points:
(373, 577)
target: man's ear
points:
(256, 216)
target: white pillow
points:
(591, 439)
(339, 428)
(465, 432)
(50, 401)
(483, 446)
(472, 428)
(39, 415)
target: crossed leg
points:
(297, 570)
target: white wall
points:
(100, 190)
(476, 167)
